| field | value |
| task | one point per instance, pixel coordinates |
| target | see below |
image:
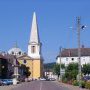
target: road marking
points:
(41, 86)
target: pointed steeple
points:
(34, 37)
(34, 46)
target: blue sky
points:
(55, 17)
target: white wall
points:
(67, 60)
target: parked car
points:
(52, 79)
(7, 81)
(10, 81)
(42, 79)
(86, 78)
(47, 79)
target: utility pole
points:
(79, 49)
(79, 27)
(60, 65)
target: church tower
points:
(34, 46)
(34, 49)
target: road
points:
(40, 85)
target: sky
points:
(56, 23)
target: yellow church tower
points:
(34, 50)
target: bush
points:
(87, 85)
(75, 83)
(65, 80)
(83, 84)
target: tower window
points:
(33, 49)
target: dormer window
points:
(32, 49)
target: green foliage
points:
(49, 66)
(62, 66)
(75, 83)
(56, 68)
(25, 70)
(83, 84)
(86, 69)
(71, 71)
(65, 80)
(72, 66)
(87, 85)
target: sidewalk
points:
(71, 87)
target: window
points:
(72, 59)
(66, 59)
(32, 49)
(19, 53)
(24, 61)
(12, 52)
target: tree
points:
(25, 70)
(86, 69)
(56, 68)
(71, 71)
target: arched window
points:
(33, 49)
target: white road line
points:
(41, 86)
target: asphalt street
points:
(40, 85)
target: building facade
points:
(71, 56)
(7, 65)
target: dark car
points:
(52, 79)
(7, 81)
(86, 78)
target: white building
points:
(71, 56)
